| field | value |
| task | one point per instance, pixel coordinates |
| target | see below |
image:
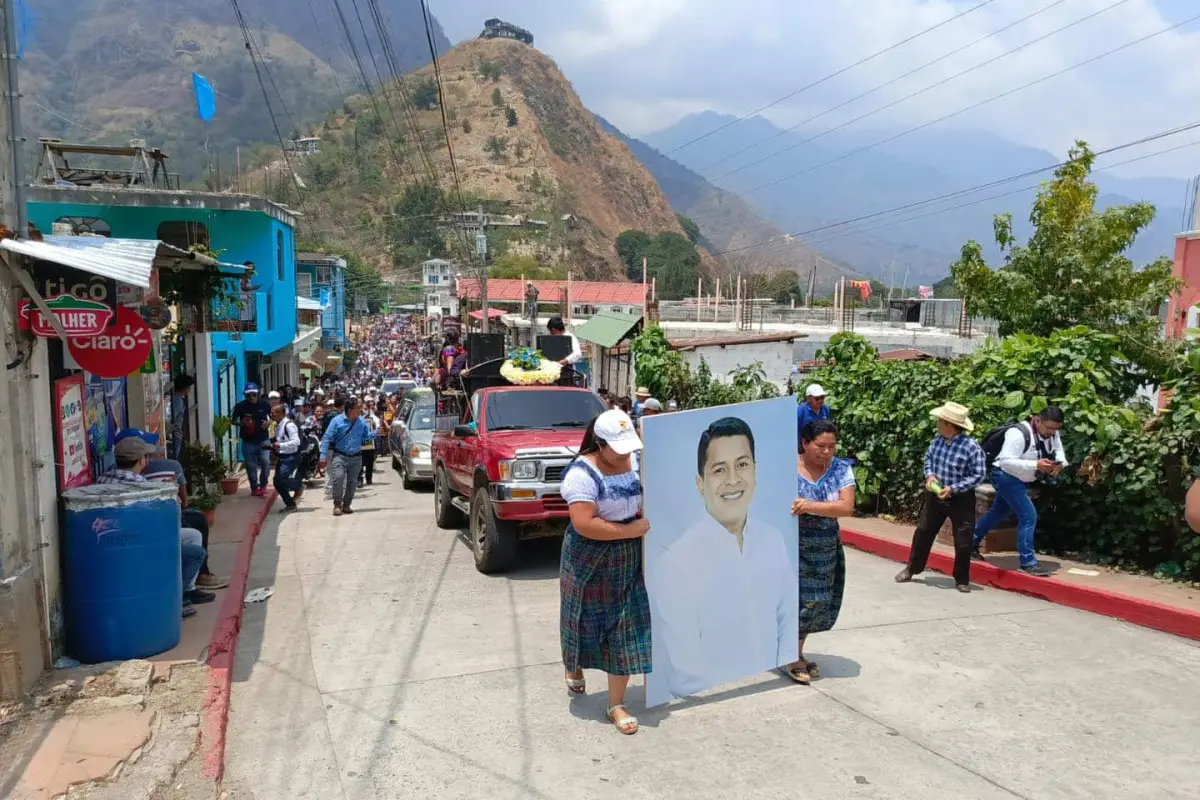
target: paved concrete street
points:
(385, 666)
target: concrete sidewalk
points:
(1167, 606)
(385, 666)
(129, 730)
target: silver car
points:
(409, 440)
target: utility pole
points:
(14, 214)
(481, 251)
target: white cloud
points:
(645, 63)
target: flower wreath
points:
(527, 367)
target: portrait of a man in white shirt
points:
(733, 605)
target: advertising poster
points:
(74, 466)
(114, 392)
(721, 558)
(99, 426)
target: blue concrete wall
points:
(333, 319)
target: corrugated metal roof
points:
(729, 341)
(308, 304)
(607, 330)
(597, 293)
(126, 260)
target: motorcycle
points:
(311, 450)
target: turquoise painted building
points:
(322, 277)
(241, 229)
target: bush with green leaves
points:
(1122, 500)
(668, 377)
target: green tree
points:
(496, 146)
(510, 116)
(631, 247)
(1073, 270)
(425, 94)
(497, 98)
(689, 227)
(513, 266)
(412, 228)
(489, 70)
(674, 263)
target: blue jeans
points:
(192, 554)
(1012, 495)
(258, 464)
(286, 481)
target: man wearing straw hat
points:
(954, 465)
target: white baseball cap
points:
(814, 390)
(273, 396)
(616, 429)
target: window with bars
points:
(304, 285)
(184, 234)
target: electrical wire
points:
(882, 86)
(959, 193)
(828, 77)
(979, 104)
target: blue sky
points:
(646, 63)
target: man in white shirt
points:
(556, 328)
(729, 598)
(287, 446)
(1031, 451)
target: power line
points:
(437, 72)
(881, 86)
(961, 192)
(1022, 190)
(979, 104)
(830, 76)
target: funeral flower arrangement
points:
(528, 367)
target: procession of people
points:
(605, 620)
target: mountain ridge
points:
(911, 169)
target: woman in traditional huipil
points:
(825, 492)
(605, 613)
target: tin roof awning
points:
(128, 261)
(607, 330)
(308, 304)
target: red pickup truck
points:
(498, 463)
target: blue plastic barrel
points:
(122, 579)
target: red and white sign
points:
(119, 351)
(78, 316)
(74, 463)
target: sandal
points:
(814, 671)
(799, 672)
(576, 686)
(628, 725)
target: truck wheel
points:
(445, 514)
(494, 541)
(404, 479)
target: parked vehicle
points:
(499, 452)
(409, 440)
(310, 447)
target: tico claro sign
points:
(116, 352)
(77, 316)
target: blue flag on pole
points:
(206, 97)
(324, 295)
(24, 27)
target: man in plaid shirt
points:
(954, 465)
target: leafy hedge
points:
(1122, 503)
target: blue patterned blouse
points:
(617, 497)
(839, 475)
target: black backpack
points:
(993, 442)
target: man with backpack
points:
(1020, 453)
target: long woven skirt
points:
(605, 613)
(822, 573)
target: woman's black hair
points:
(184, 382)
(591, 442)
(814, 429)
(1052, 414)
(451, 338)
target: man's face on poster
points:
(728, 482)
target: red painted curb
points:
(222, 648)
(1147, 613)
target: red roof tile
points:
(512, 290)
